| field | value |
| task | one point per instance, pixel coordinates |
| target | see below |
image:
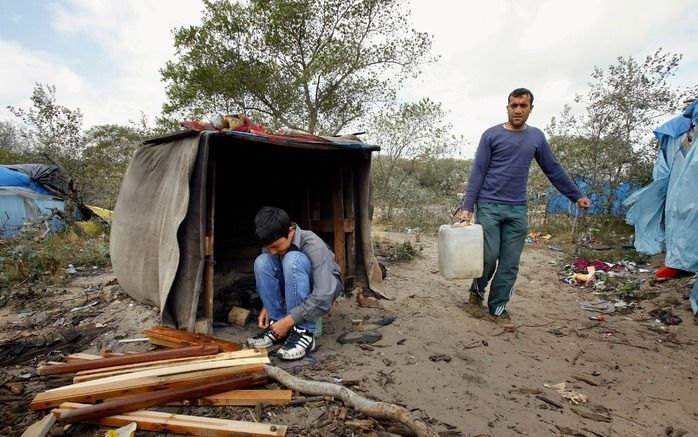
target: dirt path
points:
(442, 359)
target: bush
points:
(39, 261)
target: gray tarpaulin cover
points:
(158, 227)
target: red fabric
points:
(666, 272)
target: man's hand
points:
(263, 319)
(281, 327)
(465, 215)
(584, 202)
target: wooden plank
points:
(88, 375)
(139, 401)
(74, 358)
(53, 398)
(163, 334)
(129, 359)
(40, 428)
(349, 212)
(241, 398)
(207, 287)
(338, 221)
(164, 371)
(183, 424)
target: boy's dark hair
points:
(518, 92)
(271, 224)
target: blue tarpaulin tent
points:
(559, 204)
(22, 200)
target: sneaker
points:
(503, 316)
(265, 339)
(475, 299)
(299, 342)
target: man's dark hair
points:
(518, 92)
(271, 224)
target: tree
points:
(409, 135)
(12, 145)
(611, 142)
(316, 65)
(106, 157)
(54, 132)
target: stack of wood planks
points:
(196, 370)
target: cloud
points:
(489, 48)
(18, 78)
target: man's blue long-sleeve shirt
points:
(502, 162)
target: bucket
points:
(461, 251)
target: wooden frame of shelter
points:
(187, 204)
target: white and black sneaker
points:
(299, 343)
(265, 339)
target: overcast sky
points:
(104, 56)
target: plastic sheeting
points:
(666, 211)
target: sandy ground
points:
(442, 359)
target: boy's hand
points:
(263, 319)
(281, 327)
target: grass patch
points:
(31, 259)
(397, 252)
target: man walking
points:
(496, 192)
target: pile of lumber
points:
(195, 370)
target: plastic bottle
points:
(461, 251)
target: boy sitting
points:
(298, 280)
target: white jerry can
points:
(461, 251)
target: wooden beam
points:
(207, 287)
(349, 212)
(183, 424)
(177, 338)
(88, 375)
(241, 398)
(128, 359)
(92, 393)
(74, 358)
(338, 221)
(139, 401)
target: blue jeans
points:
(505, 228)
(283, 283)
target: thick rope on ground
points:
(380, 410)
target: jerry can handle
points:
(464, 222)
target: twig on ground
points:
(382, 410)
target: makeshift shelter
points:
(187, 204)
(29, 193)
(665, 212)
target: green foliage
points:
(414, 184)
(54, 132)
(611, 143)
(106, 157)
(398, 252)
(42, 261)
(307, 64)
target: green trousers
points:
(505, 228)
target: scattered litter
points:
(598, 306)
(597, 318)
(665, 317)
(124, 431)
(571, 395)
(71, 270)
(555, 248)
(83, 307)
(24, 315)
